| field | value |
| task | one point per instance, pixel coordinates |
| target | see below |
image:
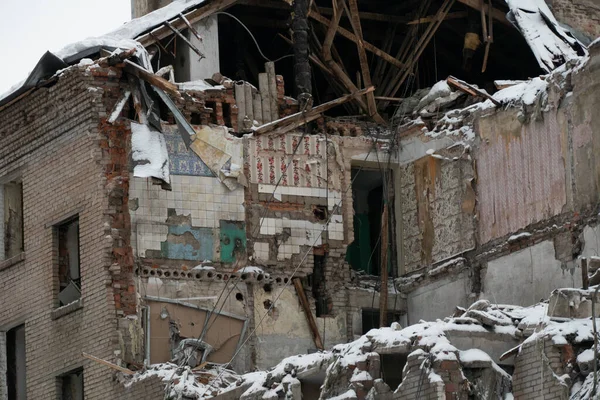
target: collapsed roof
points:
(549, 42)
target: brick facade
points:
(539, 368)
(66, 159)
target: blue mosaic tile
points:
(181, 160)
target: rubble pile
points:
(427, 360)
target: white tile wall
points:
(205, 199)
(261, 251)
(334, 198)
(303, 233)
(149, 237)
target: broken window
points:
(364, 254)
(71, 385)
(68, 261)
(15, 363)
(11, 215)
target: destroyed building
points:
(233, 182)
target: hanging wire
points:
(253, 38)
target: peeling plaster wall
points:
(526, 276)
(439, 299)
(581, 15)
(285, 330)
(436, 210)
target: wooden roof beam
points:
(350, 36)
(497, 14)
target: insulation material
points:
(551, 44)
(149, 153)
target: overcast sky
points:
(29, 28)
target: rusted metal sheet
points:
(521, 173)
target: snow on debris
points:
(526, 92)
(551, 45)
(251, 270)
(200, 85)
(522, 235)
(149, 153)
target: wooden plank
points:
(496, 13)
(257, 107)
(190, 44)
(473, 91)
(190, 27)
(263, 87)
(362, 55)
(272, 79)
(332, 28)
(109, 364)
(350, 36)
(421, 45)
(585, 278)
(192, 17)
(151, 78)
(240, 101)
(249, 102)
(489, 39)
(309, 315)
(299, 116)
(137, 100)
(383, 270)
(116, 111)
(394, 99)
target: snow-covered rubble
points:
(352, 370)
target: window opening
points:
(11, 215)
(15, 363)
(68, 262)
(72, 385)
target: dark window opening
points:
(370, 319)
(319, 290)
(71, 385)
(11, 203)
(69, 277)
(196, 119)
(364, 253)
(392, 366)
(15, 363)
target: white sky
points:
(29, 28)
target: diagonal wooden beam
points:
(422, 44)
(350, 36)
(362, 54)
